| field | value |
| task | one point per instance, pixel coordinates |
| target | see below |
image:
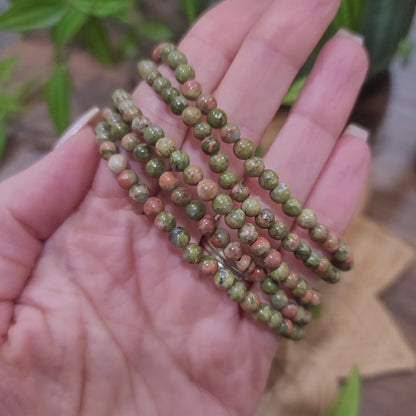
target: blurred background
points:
(60, 57)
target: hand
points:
(99, 315)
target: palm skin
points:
(99, 314)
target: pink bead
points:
(245, 264)
(233, 251)
(257, 275)
(206, 225)
(153, 206)
(168, 181)
(290, 311)
(156, 52)
(273, 259)
(291, 280)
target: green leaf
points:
(57, 94)
(7, 66)
(350, 14)
(68, 26)
(23, 16)
(10, 103)
(95, 38)
(294, 91)
(102, 7)
(2, 135)
(405, 50)
(348, 401)
(156, 32)
(190, 7)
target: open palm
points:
(98, 314)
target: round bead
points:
(160, 83)
(207, 190)
(244, 149)
(146, 66)
(208, 265)
(227, 179)
(202, 130)
(292, 207)
(291, 281)
(291, 242)
(176, 58)
(191, 116)
(217, 118)
(165, 147)
(165, 50)
(104, 136)
(323, 267)
(273, 259)
(151, 77)
(206, 103)
(237, 292)
(224, 279)
(279, 300)
(251, 302)
(192, 175)
(218, 163)
(192, 253)
(240, 192)
(125, 104)
(257, 275)
(165, 221)
(307, 219)
(195, 210)
(184, 72)
(291, 310)
(275, 320)
(312, 261)
(191, 89)
(235, 219)
(108, 149)
(119, 129)
(260, 247)
(179, 160)
(332, 276)
(319, 233)
(300, 288)
(263, 313)
(129, 142)
(179, 237)
(210, 146)
(268, 179)
(181, 196)
(120, 95)
(129, 114)
(178, 105)
(169, 93)
(230, 133)
(254, 166)
(303, 251)
(281, 273)
(251, 206)
(233, 251)
(343, 253)
(153, 206)
(222, 204)
(168, 181)
(155, 167)
(278, 231)
(152, 134)
(206, 225)
(139, 193)
(117, 163)
(265, 218)
(332, 243)
(248, 233)
(246, 264)
(140, 124)
(157, 52)
(143, 152)
(269, 286)
(111, 116)
(127, 178)
(220, 238)
(280, 194)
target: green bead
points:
(222, 204)
(240, 192)
(263, 313)
(300, 288)
(268, 179)
(179, 160)
(192, 253)
(303, 251)
(192, 175)
(155, 167)
(275, 319)
(292, 207)
(152, 76)
(280, 194)
(269, 286)
(220, 238)
(237, 292)
(235, 219)
(178, 105)
(251, 302)
(108, 149)
(169, 93)
(333, 275)
(202, 130)
(181, 196)
(191, 116)
(279, 300)
(218, 163)
(143, 152)
(312, 261)
(119, 129)
(210, 146)
(152, 134)
(224, 279)
(184, 72)
(165, 221)
(248, 233)
(139, 193)
(244, 149)
(319, 233)
(251, 206)
(307, 219)
(160, 83)
(120, 95)
(145, 67)
(281, 273)
(176, 58)
(179, 237)
(165, 147)
(227, 179)
(254, 166)
(217, 118)
(342, 253)
(278, 231)
(195, 210)
(230, 133)
(208, 265)
(131, 113)
(265, 218)
(291, 242)
(166, 50)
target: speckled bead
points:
(160, 83)
(152, 76)
(195, 210)
(110, 116)
(117, 163)
(343, 252)
(230, 133)
(139, 193)
(130, 113)
(120, 95)
(140, 124)
(153, 206)
(129, 142)
(210, 146)
(333, 275)
(126, 104)
(184, 72)
(191, 90)
(192, 175)
(291, 242)
(273, 259)
(331, 244)
(192, 253)
(208, 265)
(233, 251)
(275, 320)
(278, 231)
(263, 313)
(251, 206)
(291, 310)
(280, 194)
(127, 178)
(237, 292)
(165, 221)
(248, 233)
(269, 286)
(176, 58)
(191, 116)
(207, 190)
(206, 103)
(227, 179)
(143, 152)
(144, 67)
(311, 298)
(235, 219)
(268, 179)
(281, 273)
(347, 264)
(218, 163)
(291, 281)
(292, 207)
(265, 218)
(169, 93)
(319, 233)
(279, 300)
(165, 49)
(157, 52)
(118, 130)
(202, 130)
(224, 279)
(178, 105)
(152, 134)
(303, 251)
(108, 149)
(244, 149)
(240, 192)
(306, 219)
(207, 226)
(222, 204)
(245, 264)
(251, 302)
(179, 160)
(217, 118)
(164, 147)
(181, 196)
(323, 267)
(220, 238)
(179, 237)
(260, 247)
(312, 261)
(254, 166)
(168, 181)
(155, 167)
(301, 287)
(103, 133)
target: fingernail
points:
(344, 33)
(357, 131)
(83, 120)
